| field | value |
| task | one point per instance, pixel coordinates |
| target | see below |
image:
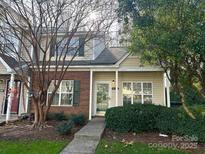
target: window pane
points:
(66, 47)
(127, 99)
(55, 99)
(127, 89)
(66, 99)
(137, 88)
(51, 87)
(67, 86)
(74, 42)
(137, 99)
(147, 99)
(147, 88)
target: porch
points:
(19, 99)
(114, 87)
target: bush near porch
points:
(153, 118)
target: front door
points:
(15, 100)
(102, 97)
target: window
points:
(69, 49)
(127, 93)
(64, 95)
(137, 92)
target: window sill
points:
(61, 105)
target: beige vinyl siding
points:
(131, 61)
(3, 69)
(156, 78)
(134, 61)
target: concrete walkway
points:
(3, 118)
(86, 140)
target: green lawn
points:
(116, 147)
(31, 147)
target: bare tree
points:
(45, 30)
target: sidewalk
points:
(86, 140)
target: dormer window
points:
(65, 47)
(74, 47)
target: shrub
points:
(135, 118)
(65, 127)
(147, 117)
(56, 116)
(78, 119)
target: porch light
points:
(113, 85)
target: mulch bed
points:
(152, 138)
(23, 130)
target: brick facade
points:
(84, 77)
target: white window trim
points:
(60, 93)
(142, 94)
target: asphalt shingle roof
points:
(11, 62)
(107, 57)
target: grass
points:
(116, 147)
(31, 147)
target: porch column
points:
(168, 92)
(91, 96)
(116, 87)
(10, 98)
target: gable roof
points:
(110, 56)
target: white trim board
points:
(141, 69)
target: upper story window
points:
(66, 47)
(74, 47)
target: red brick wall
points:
(83, 107)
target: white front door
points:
(102, 97)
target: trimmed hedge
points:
(56, 116)
(78, 119)
(65, 127)
(153, 118)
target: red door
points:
(15, 100)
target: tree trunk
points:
(185, 107)
(39, 121)
(36, 112)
